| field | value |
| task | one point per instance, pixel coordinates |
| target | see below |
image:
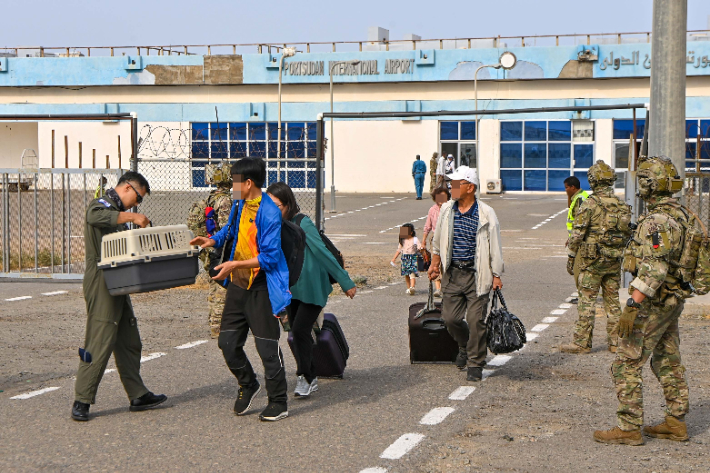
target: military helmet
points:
(219, 174)
(658, 175)
(601, 174)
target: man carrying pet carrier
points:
(111, 325)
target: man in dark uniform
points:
(111, 325)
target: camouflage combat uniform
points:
(221, 200)
(654, 258)
(432, 171)
(597, 250)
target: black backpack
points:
(328, 244)
(293, 244)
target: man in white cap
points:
(467, 252)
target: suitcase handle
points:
(433, 325)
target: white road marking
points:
(366, 292)
(500, 360)
(436, 415)
(575, 294)
(565, 306)
(548, 219)
(461, 393)
(569, 299)
(55, 293)
(380, 287)
(487, 373)
(191, 344)
(558, 311)
(402, 446)
(21, 298)
(539, 327)
(549, 320)
(35, 393)
(152, 356)
(531, 336)
(376, 469)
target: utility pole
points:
(666, 130)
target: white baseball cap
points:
(465, 173)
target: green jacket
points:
(313, 286)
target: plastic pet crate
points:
(148, 259)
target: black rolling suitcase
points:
(331, 351)
(429, 341)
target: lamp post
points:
(332, 141)
(286, 52)
(506, 61)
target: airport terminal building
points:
(199, 104)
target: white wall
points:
(489, 152)
(14, 138)
(604, 143)
(377, 156)
(93, 135)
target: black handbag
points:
(505, 333)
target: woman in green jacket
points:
(310, 293)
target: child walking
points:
(409, 248)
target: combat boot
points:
(618, 436)
(671, 429)
(214, 332)
(574, 349)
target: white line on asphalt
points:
(487, 373)
(436, 415)
(499, 360)
(558, 311)
(152, 356)
(549, 320)
(366, 292)
(461, 393)
(191, 344)
(531, 336)
(376, 469)
(565, 306)
(21, 298)
(380, 287)
(539, 327)
(55, 293)
(569, 299)
(34, 393)
(402, 446)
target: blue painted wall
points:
(613, 61)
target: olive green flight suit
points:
(111, 325)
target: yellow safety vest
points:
(581, 194)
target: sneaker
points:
(314, 385)
(461, 359)
(245, 398)
(303, 387)
(273, 412)
(475, 373)
(410, 291)
(438, 294)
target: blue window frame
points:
(556, 180)
(583, 156)
(559, 155)
(536, 155)
(625, 128)
(468, 130)
(511, 155)
(535, 131)
(511, 131)
(512, 180)
(559, 131)
(448, 131)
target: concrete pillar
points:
(489, 151)
(666, 133)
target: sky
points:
(158, 22)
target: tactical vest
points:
(570, 216)
(609, 230)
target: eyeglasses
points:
(139, 198)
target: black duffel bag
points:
(505, 333)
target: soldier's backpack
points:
(202, 218)
(615, 230)
(694, 263)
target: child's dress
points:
(409, 252)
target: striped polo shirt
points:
(465, 231)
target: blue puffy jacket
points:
(268, 240)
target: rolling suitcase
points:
(331, 351)
(429, 341)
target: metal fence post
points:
(319, 173)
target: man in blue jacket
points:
(256, 276)
(418, 173)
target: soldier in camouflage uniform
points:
(648, 326)
(433, 162)
(595, 247)
(220, 199)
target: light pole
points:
(507, 61)
(286, 52)
(332, 142)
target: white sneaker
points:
(437, 294)
(411, 291)
(314, 385)
(303, 389)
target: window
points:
(459, 140)
(697, 131)
(538, 155)
(623, 129)
(232, 141)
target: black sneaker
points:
(461, 359)
(274, 411)
(245, 398)
(80, 411)
(147, 401)
(475, 373)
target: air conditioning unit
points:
(494, 186)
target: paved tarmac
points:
(385, 415)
